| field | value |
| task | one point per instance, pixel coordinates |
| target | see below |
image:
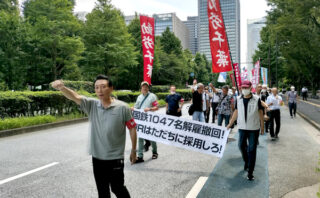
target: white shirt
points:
(275, 100)
(205, 97)
(215, 98)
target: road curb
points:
(11, 132)
(314, 124)
(306, 118)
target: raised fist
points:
(58, 84)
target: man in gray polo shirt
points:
(108, 119)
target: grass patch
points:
(13, 123)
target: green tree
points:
(109, 48)
(292, 41)
(54, 39)
(170, 43)
(9, 5)
(12, 33)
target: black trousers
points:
(304, 95)
(207, 115)
(109, 173)
(248, 152)
(214, 106)
(274, 117)
(267, 123)
(292, 106)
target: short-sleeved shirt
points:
(173, 102)
(150, 101)
(225, 104)
(107, 127)
(292, 97)
(245, 103)
(205, 98)
(275, 100)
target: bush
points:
(28, 103)
(160, 88)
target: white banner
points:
(180, 132)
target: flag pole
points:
(234, 73)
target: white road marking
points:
(27, 173)
(197, 187)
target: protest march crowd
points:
(253, 110)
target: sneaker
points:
(250, 177)
(273, 138)
(139, 160)
(291, 117)
(276, 136)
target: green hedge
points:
(27, 103)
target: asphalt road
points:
(291, 164)
(310, 108)
(173, 174)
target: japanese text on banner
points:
(147, 38)
(221, 60)
(184, 133)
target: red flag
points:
(221, 61)
(232, 79)
(147, 37)
(237, 73)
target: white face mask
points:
(292, 89)
(246, 92)
(172, 92)
(264, 91)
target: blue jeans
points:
(198, 116)
(248, 152)
(225, 117)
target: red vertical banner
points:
(221, 60)
(147, 38)
(232, 79)
(237, 73)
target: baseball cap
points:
(145, 83)
(246, 84)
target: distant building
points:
(192, 25)
(254, 26)
(231, 15)
(81, 15)
(129, 18)
(180, 30)
(162, 21)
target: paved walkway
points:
(282, 166)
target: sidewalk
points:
(283, 166)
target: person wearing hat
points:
(292, 101)
(148, 102)
(249, 115)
